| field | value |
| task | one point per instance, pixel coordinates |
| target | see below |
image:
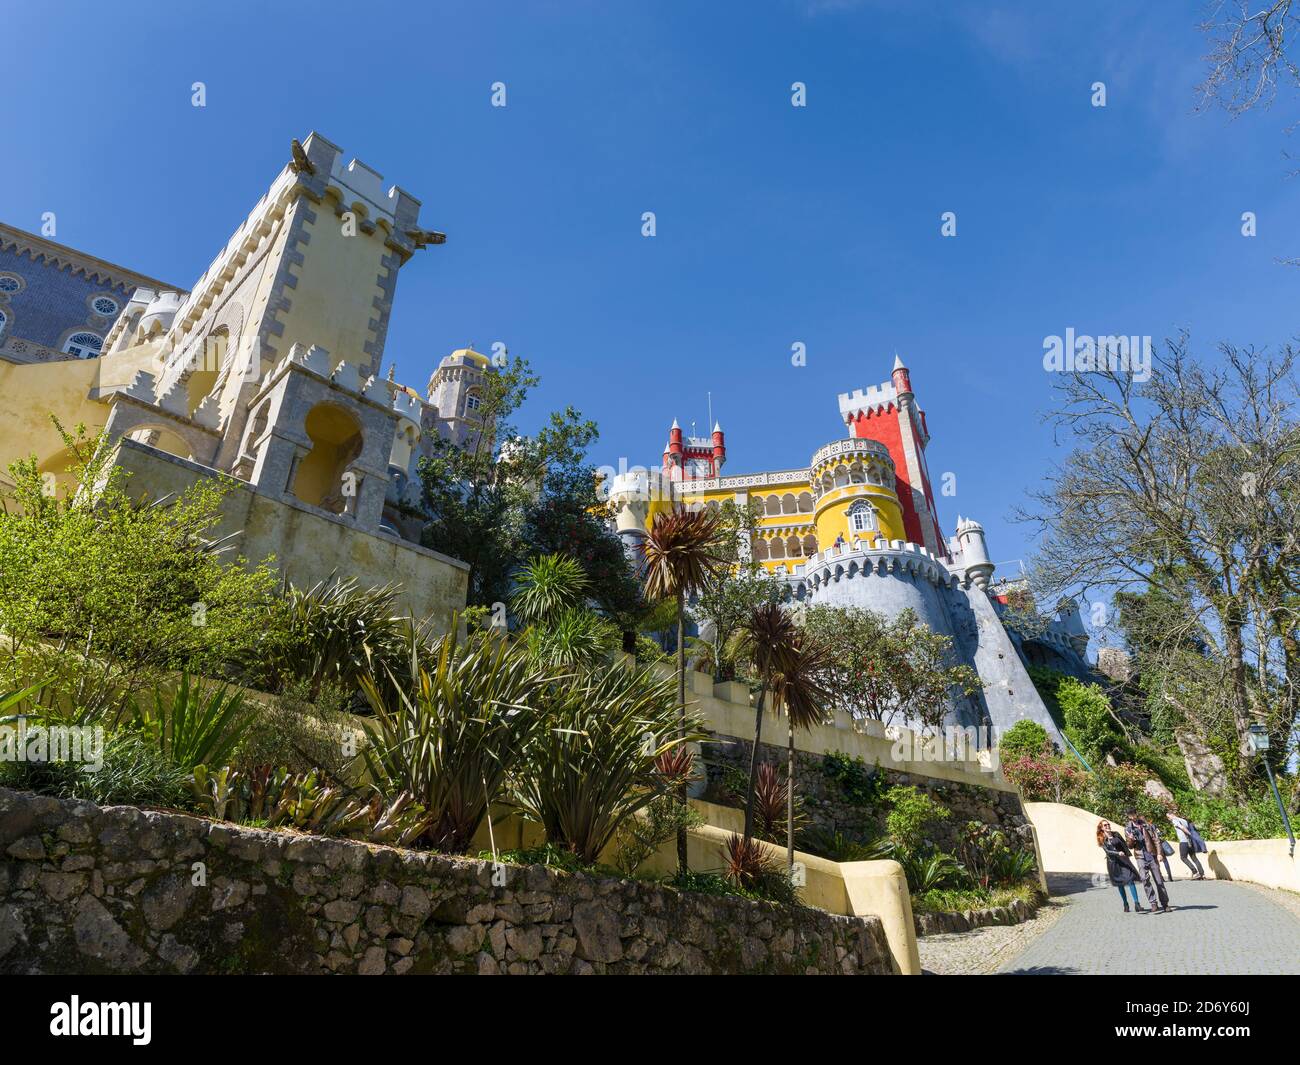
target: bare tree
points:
(1248, 53)
(1185, 488)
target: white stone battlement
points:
(863, 401)
(861, 560)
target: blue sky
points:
(775, 224)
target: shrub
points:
(121, 589)
(991, 857)
(576, 637)
(753, 868)
(1024, 739)
(771, 798)
(927, 872)
(1114, 790)
(274, 798)
(640, 837)
(454, 736)
(294, 732)
(133, 772)
(858, 784)
(336, 632)
(193, 725)
(1046, 779)
(593, 762)
(838, 846)
(911, 812)
(547, 586)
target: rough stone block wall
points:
(825, 807)
(85, 889)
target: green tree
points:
(885, 668)
(733, 591)
(768, 640)
(105, 587)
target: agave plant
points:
(274, 797)
(194, 725)
(451, 735)
(595, 762)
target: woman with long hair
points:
(1119, 864)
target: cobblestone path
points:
(1215, 926)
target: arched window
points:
(862, 517)
(4, 321)
(472, 403)
(83, 345)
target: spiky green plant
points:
(594, 763)
(195, 725)
(573, 637)
(336, 631)
(547, 586)
(452, 734)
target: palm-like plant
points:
(596, 760)
(682, 550)
(801, 688)
(194, 725)
(548, 585)
(336, 631)
(767, 639)
(573, 637)
(453, 734)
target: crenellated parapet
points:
(862, 559)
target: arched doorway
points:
(336, 442)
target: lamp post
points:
(1257, 737)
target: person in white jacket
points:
(1189, 842)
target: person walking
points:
(1145, 846)
(1166, 849)
(1119, 865)
(1187, 840)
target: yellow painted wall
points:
(832, 514)
(31, 392)
(1067, 839)
(309, 546)
(333, 301)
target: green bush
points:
(857, 783)
(911, 812)
(1111, 791)
(1024, 739)
(134, 772)
(298, 733)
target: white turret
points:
(972, 552)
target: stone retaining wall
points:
(1017, 912)
(826, 808)
(85, 889)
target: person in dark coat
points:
(1119, 865)
(1145, 847)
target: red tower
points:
(694, 458)
(888, 413)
